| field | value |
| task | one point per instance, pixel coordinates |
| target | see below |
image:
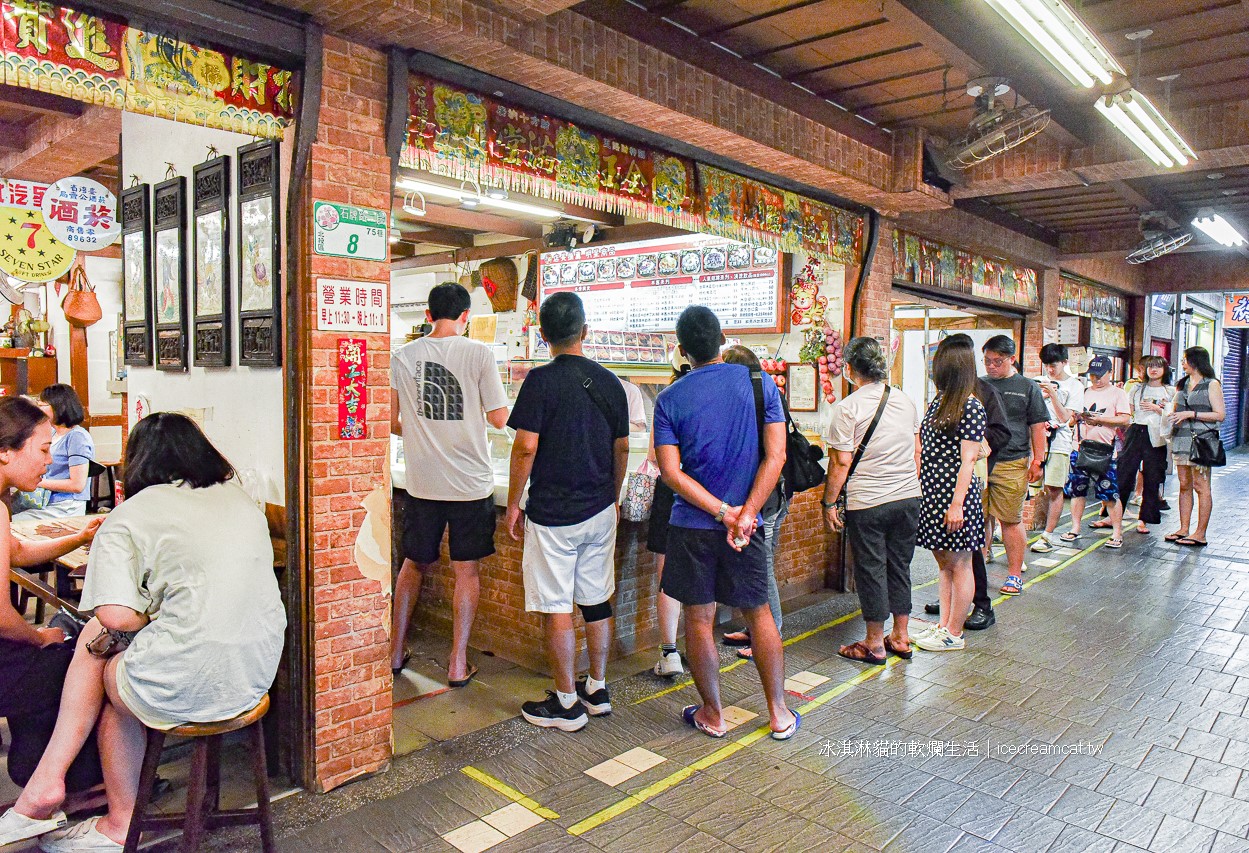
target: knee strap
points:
(596, 612)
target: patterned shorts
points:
(1105, 487)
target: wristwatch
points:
(828, 505)
(724, 510)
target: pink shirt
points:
(1105, 402)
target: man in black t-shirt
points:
(572, 447)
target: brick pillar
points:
(351, 645)
(875, 313)
(1049, 287)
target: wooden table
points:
(35, 530)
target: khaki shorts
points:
(1005, 492)
(1057, 467)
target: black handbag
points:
(1207, 449)
(802, 469)
(1095, 457)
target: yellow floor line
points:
(634, 800)
(729, 667)
(508, 791)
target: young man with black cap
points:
(1106, 409)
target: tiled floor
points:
(1105, 711)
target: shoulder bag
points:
(81, 307)
(802, 469)
(1207, 449)
(1094, 457)
(858, 453)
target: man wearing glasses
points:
(1020, 461)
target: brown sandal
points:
(904, 652)
(860, 653)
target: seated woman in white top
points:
(72, 454)
(187, 563)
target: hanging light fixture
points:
(1062, 38)
(1139, 120)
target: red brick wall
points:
(353, 681)
(875, 313)
(506, 630)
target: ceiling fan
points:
(994, 129)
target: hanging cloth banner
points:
(463, 135)
(756, 212)
(466, 136)
(927, 262)
(103, 61)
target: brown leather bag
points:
(81, 307)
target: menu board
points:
(644, 287)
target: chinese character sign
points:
(353, 306)
(353, 392)
(1236, 311)
(29, 250)
(81, 213)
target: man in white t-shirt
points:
(1064, 396)
(447, 388)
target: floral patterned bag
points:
(639, 492)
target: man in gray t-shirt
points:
(1020, 461)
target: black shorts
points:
(702, 568)
(661, 511)
(424, 521)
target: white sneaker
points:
(1023, 567)
(940, 640)
(923, 632)
(16, 827)
(1043, 545)
(80, 838)
(669, 665)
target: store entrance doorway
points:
(921, 323)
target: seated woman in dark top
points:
(33, 661)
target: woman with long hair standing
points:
(951, 519)
(1144, 448)
(1199, 408)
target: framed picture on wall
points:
(136, 276)
(211, 272)
(803, 387)
(259, 235)
(169, 273)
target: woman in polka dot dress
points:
(951, 522)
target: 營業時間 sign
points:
(353, 306)
(645, 286)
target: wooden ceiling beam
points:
(623, 234)
(474, 220)
(754, 19)
(755, 56)
(439, 237)
(854, 60)
(893, 78)
(41, 102)
(12, 137)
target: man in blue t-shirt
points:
(572, 446)
(707, 442)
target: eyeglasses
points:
(994, 362)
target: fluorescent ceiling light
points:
(1139, 120)
(1062, 38)
(458, 195)
(1218, 229)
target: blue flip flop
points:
(687, 714)
(787, 733)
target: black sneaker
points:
(551, 714)
(597, 703)
(932, 609)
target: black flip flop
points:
(407, 656)
(736, 642)
(904, 653)
(1191, 543)
(460, 682)
(867, 656)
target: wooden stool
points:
(203, 796)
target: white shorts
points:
(60, 509)
(571, 564)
